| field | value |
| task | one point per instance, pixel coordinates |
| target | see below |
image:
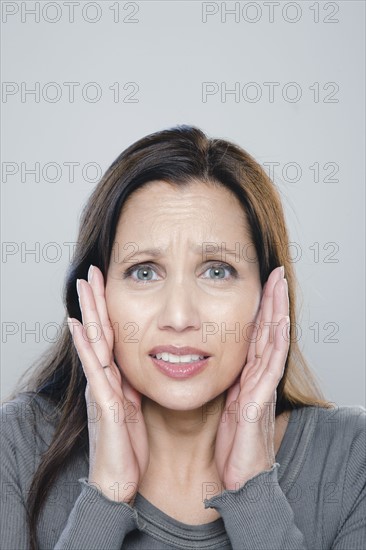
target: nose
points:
(179, 308)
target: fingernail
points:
(282, 271)
(90, 273)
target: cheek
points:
(235, 324)
(131, 318)
(119, 315)
(112, 304)
(241, 308)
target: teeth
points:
(178, 358)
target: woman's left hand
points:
(245, 437)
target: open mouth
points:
(179, 366)
(171, 358)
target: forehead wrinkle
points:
(160, 217)
(184, 203)
(177, 239)
(194, 239)
(156, 244)
(171, 215)
(196, 248)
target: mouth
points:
(175, 359)
(179, 366)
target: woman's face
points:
(182, 274)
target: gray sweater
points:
(313, 498)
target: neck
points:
(182, 438)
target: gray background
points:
(169, 50)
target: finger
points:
(93, 328)
(229, 422)
(130, 393)
(274, 370)
(233, 391)
(280, 304)
(99, 385)
(255, 335)
(96, 282)
(134, 418)
(266, 319)
(280, 300)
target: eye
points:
(144, 273)
(218, 271)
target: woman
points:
(176, 410)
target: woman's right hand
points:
(118, 443)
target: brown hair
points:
(179, 156)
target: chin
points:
(186, 399)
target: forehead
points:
(163, 218)
(196, 202)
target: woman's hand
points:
(245, 437)
(118, 445)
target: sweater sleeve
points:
(13, 532)
(258, 515)
(94, 522)
(351, 533)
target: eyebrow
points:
(208, 248)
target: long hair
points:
(178, 155)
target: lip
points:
(180, 370)
(176, 350)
